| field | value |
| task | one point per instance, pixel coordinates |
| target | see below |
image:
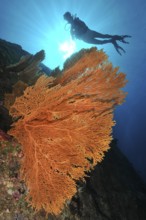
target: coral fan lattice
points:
(63, 125)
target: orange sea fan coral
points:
(64, 127)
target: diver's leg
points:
(121, 38)
(90, 37)
(96, 34)
(95, 41)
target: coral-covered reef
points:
(14, 78)
(18, 69)
(66, 126)
(17, 64)
(111, 191)
(27, 72)
(11, 53)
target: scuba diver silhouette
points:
(81, 31)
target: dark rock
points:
(11, 53)
(113, 191)
(5, 119)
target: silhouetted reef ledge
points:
(10, 53)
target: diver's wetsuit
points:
(81, 31)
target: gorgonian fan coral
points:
(63, 125)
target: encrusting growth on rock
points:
(18, 88)
(65, 127)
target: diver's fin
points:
(117, 47)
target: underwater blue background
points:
(39, 24)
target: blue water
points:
(38, 24)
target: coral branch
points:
(64, 127)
